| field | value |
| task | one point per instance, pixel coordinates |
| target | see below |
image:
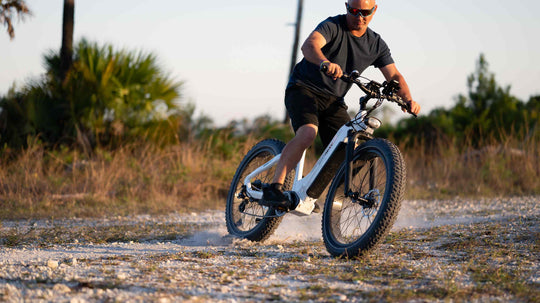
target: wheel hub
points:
(369, 200)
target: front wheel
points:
(354, 224)
(244, 216)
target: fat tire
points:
(262, 227)
(388, 208)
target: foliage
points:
(7, 10)
(107, 94)
(487, 111)
(226, 141)
(148, 149)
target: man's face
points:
(359, 14)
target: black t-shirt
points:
(345, 49)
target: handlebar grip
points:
(344, 77)
(408, 109)
(404, 105)
(413, 114)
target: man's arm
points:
(390, 72)
(312, 52)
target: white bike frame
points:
(302, 184)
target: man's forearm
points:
(312, 53)
(404, 91)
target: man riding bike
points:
(315, 99)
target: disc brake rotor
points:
(371, 202)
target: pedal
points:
(293, 199)
(257, 185)
(305, 208)
(283, 204)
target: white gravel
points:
(188, 268)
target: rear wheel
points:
(244, 216)
(354, 224)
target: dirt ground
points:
(479, 250)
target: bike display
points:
(367, 178)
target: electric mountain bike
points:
(367, 176)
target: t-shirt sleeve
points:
(385, 57)
(328, 29)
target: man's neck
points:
(358, 33)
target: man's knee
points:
(306, 134)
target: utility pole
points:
(66, 51)
(295, 45)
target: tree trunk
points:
(66, 51)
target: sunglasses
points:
(360, 12)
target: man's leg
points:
(302, 108)
(291, 154)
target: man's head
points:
(359, 14)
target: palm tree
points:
(108, 94)
(106, 87)
(7, 10)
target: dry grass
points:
(132, 179)
(145, 178)
(508, 168)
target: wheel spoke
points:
(244, 216)
(352, 219)
(246, 220)
(362, 219)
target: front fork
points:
(349, 153)
(353, 137)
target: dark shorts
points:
(304, 106)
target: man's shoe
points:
(274, 197)
(317, 208)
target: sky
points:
(234, 56)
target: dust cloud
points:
(308, 228)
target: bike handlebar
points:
(373, 89)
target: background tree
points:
(487, 111)
(8, 9)
(108, 94)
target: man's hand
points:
(390, 73)
(415, 107)
(333, 70)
